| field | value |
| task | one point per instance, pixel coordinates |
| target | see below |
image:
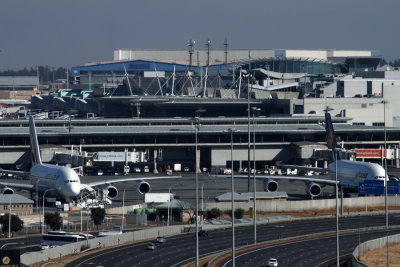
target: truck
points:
(177, 167)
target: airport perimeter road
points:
(180, 250)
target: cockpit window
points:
(71, 181)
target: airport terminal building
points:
(145, 101)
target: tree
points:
(16, 223)
(213, 213)
(98, 215)
(53, 220)
(239, 213)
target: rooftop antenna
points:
(208, 44)
(191, 51)
(226, 50)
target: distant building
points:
(14, 203)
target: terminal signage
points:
(393, 187)
(376, 187)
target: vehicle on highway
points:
(151, 246)
(203, 233)
(44, 246)
(272, 262)
(161, 239)
(61, 239)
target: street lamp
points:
(384, 102)
(44, 194)
(9, 220)
(337, 206)
(254, 175)
(231, 131)
(197, 126)
(169, 201)
(123, 209)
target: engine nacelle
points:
(112, 192)
(6, 191)
(270, 185)
(313, 189)
(143, 187)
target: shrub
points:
(213, 213)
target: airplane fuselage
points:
(63, 181)
(356, 171)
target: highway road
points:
(181, 249)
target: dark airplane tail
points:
(331, 137)
(35, 152)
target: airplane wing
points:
(17, 173)
(19, 186)
(289, 178)
(127, 179)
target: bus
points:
(59, 239)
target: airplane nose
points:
(76, 189)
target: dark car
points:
(203, 233)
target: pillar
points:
(155, 161)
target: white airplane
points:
(63, 182)
(350, 173)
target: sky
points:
(73, 32)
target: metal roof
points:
(175, 204)
(15, 199)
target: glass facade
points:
(295, 65)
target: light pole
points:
(123, 209)
(254, 175)
(169, 201)
(231, 131)
(44, 194)
(337, 207)
(384, 102)
(197, 126)
(9, 220)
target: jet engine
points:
(112, 192)
(313, 189)
(270, 185)
(6, 191)
(143, 187)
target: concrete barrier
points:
(371, 245)
(362, 203)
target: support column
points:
(155, 161)
(325, 164)
(316, 164)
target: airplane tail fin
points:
(35, 152)
(330, 136)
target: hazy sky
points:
(73, 32)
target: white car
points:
(44, 246)
(272, 262)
